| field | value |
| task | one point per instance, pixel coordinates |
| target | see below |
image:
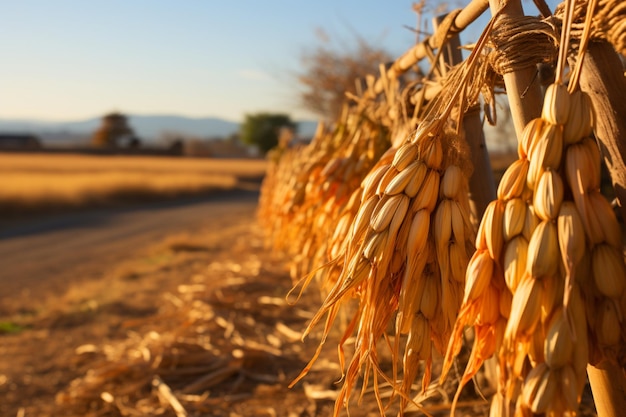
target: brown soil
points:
(197, 321)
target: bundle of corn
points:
(402, 254)
(285, 193)
(304, 199)
(406, 250)
(336, 196)
(545, 288)
(282, 192)
(371, 147)
(302, 225)
(375, 136)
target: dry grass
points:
(46, 182)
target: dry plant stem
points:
(602, 78)
(451, 51)
(522, 89)
(165, 391)
(482, 183)
(464, 17)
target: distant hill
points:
(145, 126)
(307, 128)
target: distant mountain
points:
(145, 126)
(307, 128)
(153, 126)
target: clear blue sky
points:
(68, 60)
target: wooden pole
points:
(522, 87)
(482, 183)
(602, 77)
(607, 386)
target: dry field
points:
(44, 182)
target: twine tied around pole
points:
(608, 22)
(521, 42)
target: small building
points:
(19, 141)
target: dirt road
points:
(216, 299)
(220, 305)
(39, 256)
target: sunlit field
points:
(40, 182)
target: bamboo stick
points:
(603, 79)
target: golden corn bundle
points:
(542, 281)
(311, 187)
(551, 247)
(284, 188)
(405, 257)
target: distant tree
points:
(327, 74)
(264, 129)
(112, 131)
